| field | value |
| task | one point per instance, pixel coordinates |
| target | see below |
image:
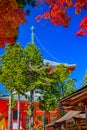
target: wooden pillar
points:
(48, 116)
(86, 115)
(77, 124)
(22, 115)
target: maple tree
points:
(58, 13)
(83, 28)
(11, 16)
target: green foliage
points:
(61, 85)
(65, 83)
(1, 117)
(13, 68)
(23, 70)
(84, 82)
(34, 62)
(23, 3)
(12, 101)
(47, 101)
(39, 117)
(33, 55)
(19, 66)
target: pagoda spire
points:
(32, 34)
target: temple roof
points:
(71, 67)
(53, 63)
(71, 116)
(75, 100)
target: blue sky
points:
(57, 43)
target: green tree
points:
(84, 82)
(37, 72)
(34, 61)
(14, 74)
(23, 70)
(65, 83)
(61, 86)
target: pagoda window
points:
(15, 114)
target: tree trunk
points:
(18, 116)
(10, 112)
(31, 124)
(44, 120)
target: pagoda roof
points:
(52, 63)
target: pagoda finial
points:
(32, 34)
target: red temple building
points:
(24, 117)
